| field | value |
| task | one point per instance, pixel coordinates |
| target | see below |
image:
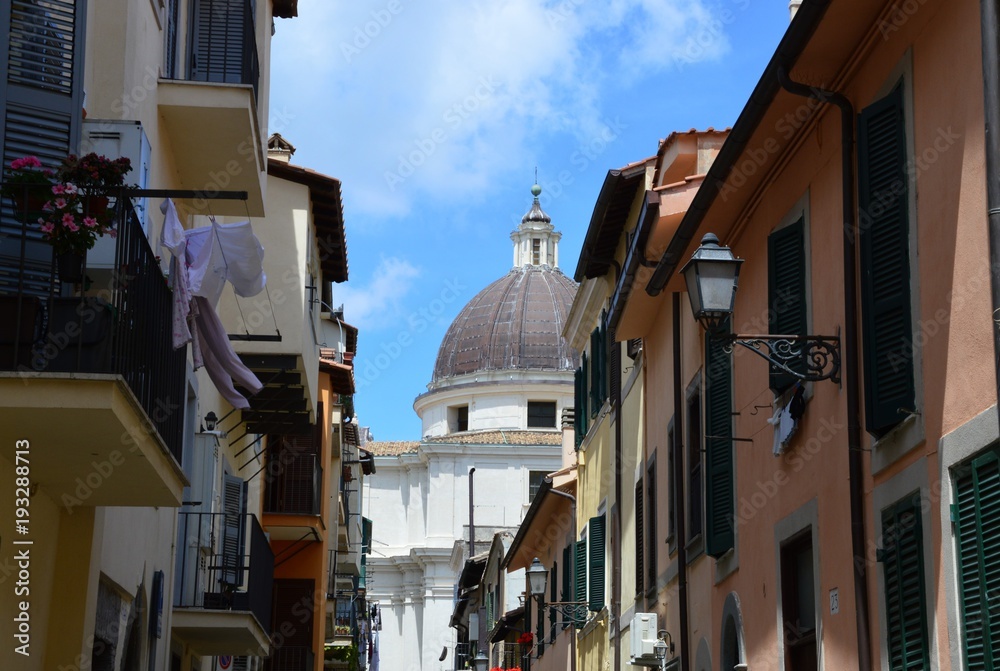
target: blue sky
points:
(435, 114)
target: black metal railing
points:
(224, 562)
(116, 318)
(293, 483)
(290, 658)
(463, 656)
(224, 43)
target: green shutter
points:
(977, 493)
(553, 597)
(720, 498)
(596, 367)
(580, 579)
(602, 342)
(639, 529)
(786, 254)
(596, 556)
(903, 566)
(580, 402)
(567, 584)
(885, 263)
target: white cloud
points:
(441, 98)
(378, 304)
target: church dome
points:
(515, 323)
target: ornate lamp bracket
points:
(816, 357)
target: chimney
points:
(793, 6)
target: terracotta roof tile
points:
(512, 437)
(391, 448)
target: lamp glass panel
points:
(717, 282)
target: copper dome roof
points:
(514, 323)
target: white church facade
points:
(493, 408)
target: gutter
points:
(680, 531)
(635, 256)
(603, 199)
(789, 49)
(990, 25)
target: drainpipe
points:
(991, 103)
(472, 518)
(616, 527)
(678, 484)
(850, 345)
(572, 637)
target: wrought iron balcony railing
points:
(224, 562)
(117, 320)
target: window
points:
(536, 251)
(720, 497)
(798, 603)
(534, 483)
(458, 418)
(595, 558)
(553, 597)
(567, 574)
(579, 579)
(694, 500)
(170, 56)
(976, 513)
(542, 414)
(581, 413)
(885, 263)
(786, 285)
(651, 525)
(598, 368)
(902, 561)
(640, 553)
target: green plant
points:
(26, 175)
(93, 173)
(343, 653)
(67, 223)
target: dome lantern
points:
(536, 242)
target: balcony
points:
(87, 371)
(224, 580)
(211, 116)
(293, 487)
(291, 658)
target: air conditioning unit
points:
(643, 633)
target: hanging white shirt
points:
(225, 252)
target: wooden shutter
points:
(596, 563)
(885, 263)
(640, 551)
(651, 508)
(903, 565)
(596, 372)
(977, 515)
(720, 499)
(567, 584)
(217, 41)
(579, 578)
(41, 102)
(233, 539)
(786, 256)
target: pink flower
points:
(26, 161)
(60, 203)
(47, 206)
(58, 189)
(68, 220)
(70, 189)
(113, 233)
(72, 226)
(47, 227)
(90, 222)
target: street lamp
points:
(712, 276)
(537, 578)
(481, 661)
(211, 420)
(660, 651)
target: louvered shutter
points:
(786, 256)
(553, 597)
(217, 41)
(596, 372)
(640, 551)
(885, 263)
(978, 531)
(720, 499)
(595, 586)
(903, 567)
(567, 573)
(580, 404)
(41, 102)
(579, 579)
(233, 540)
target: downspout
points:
(616, 527)
(850, 345)
(678, 484)
(472, 518)
(990, 25)
(572, 637)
